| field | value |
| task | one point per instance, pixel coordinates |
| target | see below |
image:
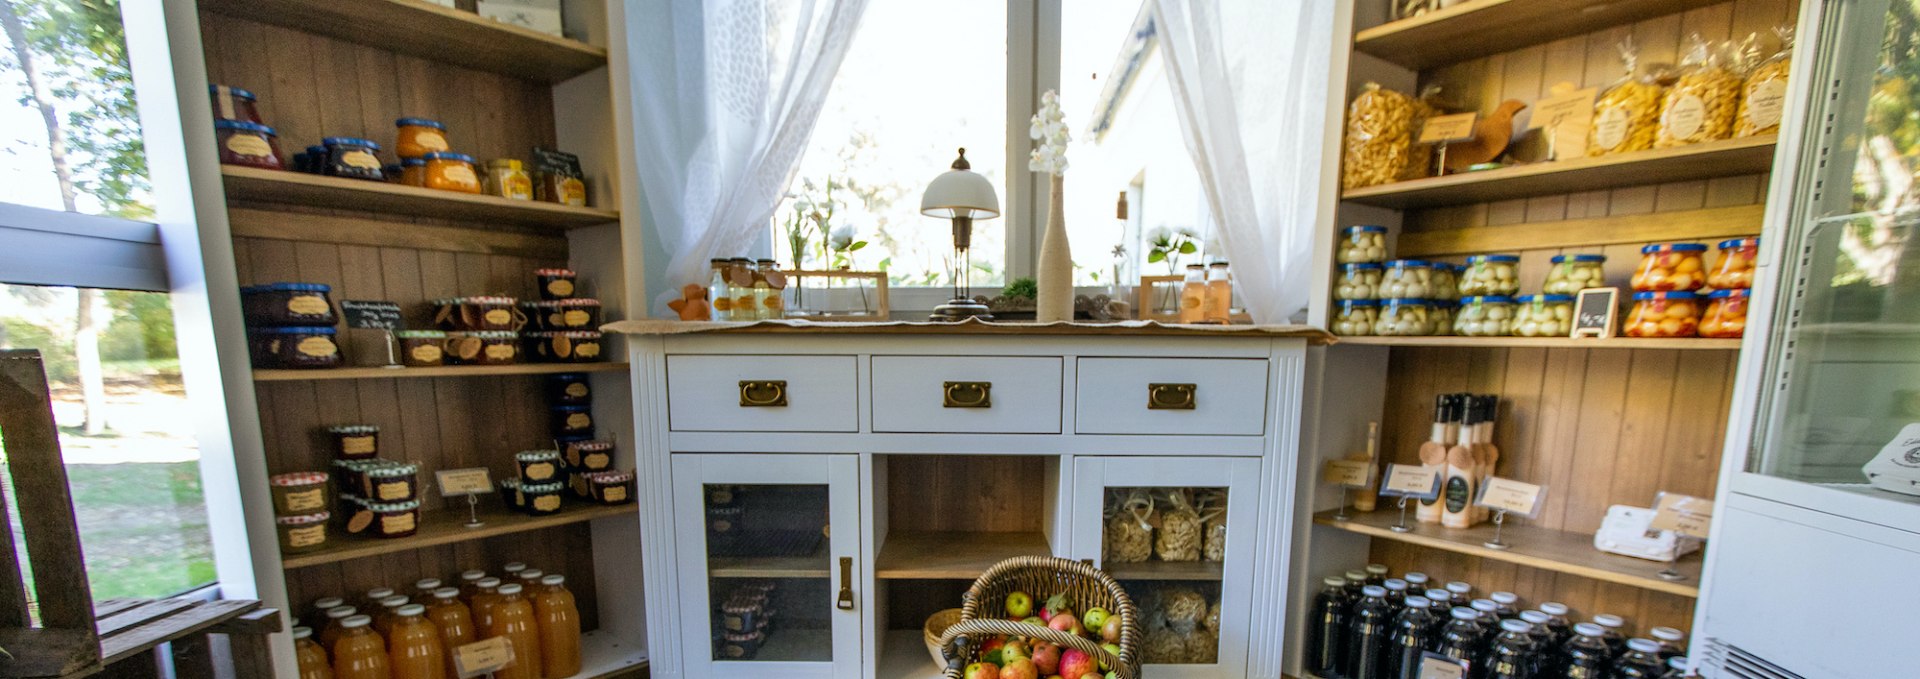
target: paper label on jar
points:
(576, 318)
(249, 145)
(500, 352)
(498, 317)
(562, 347)
(579, 421)
(546, 503)
(308, 305)
(1766, 102)
(426, 353)
(1610, 128)
(317, 347)
(577, 390)
(539, 471)
(466, 348)
(307, 537)
(734, 623)
(360, 521)
(398, 523)
(356, 445)
(560, 287)
(360, 159)
(484, 656)
(517, 188)
(594, 461)
(393, 491)
(614, 493)
(1685, 117)
(556, 319)
(586, 349)
(461, 174)
(430, 140)
(723, 304)
(306, 501)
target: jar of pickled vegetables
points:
(451, 172)
(1407, 278)
(1358, 281)
(1445, 283)
(1440, 314)
(1362, 244)
(1484, 316)
(1666, 267)
(1543, 316)
(1355, 317)
(1404, 318)
(1735, 268)
(1572, 273)
(417, 137)
(1664, 314)
(1491, 275)
(1726, 314)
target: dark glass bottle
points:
(1676, 668)
(1367, 634)
(1489, 617)
(1356, 579)
(1440, 606)
(1376, 574)
(1616, 639)
(1672, 641)
(1396, 594)
(1417, 582)
(1542, 637)
(1327, 631)
(1557, 621)
(1413, 632)
(1585, 656)
(1461, 592)
(1462, 639)
(1512, 656)
(1508, 602)
(1642, 661)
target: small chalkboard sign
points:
(371, 315)
(1594, 312)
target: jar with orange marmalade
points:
(448, 171)
(1726, 314)
(1735, 268)
(417, 137)
(1664, 314)
(1666, 267)
(508, 178)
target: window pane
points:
(125, 432)
(920, 80)
(70, 130)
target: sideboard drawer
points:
(966, 394)
(1194, 396)
(761, 393)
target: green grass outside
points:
(143, 528)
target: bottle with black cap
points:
(1413, 632)
(1586, 655)
(1615, 635)
(1327, 630)
(1368, 631)
(1641, 661)
(1672, 641)
(1462, 639)
(1511, 656)
(1676, 668)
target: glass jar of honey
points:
(448, 171)
(1726, 314)
(508, 178)
(417, 137)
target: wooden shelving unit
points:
(1166, 570)
(1698, 161)
(1479, 28)
(815, 565)
(428, 30)
(449, 526)
(441, 371)
(1542, 548)
(1699, 344)
(931, 555)
(283, 186)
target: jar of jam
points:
(1496, 275)
(1664, 314)
(508, 178)
(311, 161)
(610, 487)
(298, 493)
(287, 304)
(1543, 316)
(589, 456)
(538, 466)
(395, 519)
(569, 388)
(422, 348)
(397, 482)
(1407, 279)
(1445, 284)
(247, 144)
(293, 348)
(1362, 244)
(1666, 267)
(577, 480)
(1358, 281)
(741, 646)
(302, 533)
(1484, 316)
(449, 171)
(570, 420)
(492, 347)
(1572, 273)
(1356, 317)
(542, 499)
(355, 441)
(491, 313)
(233, 103)
(572, 346)
(510, 494)
(556, 283)
(1726, 314)
(413, 172)
(578, 313)
(1735, 268)
(350, 513)
(349, 476)
(1404, 318)
(417, 137)
(353, 158)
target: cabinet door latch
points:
(845, 600)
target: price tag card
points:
(1594, 312)
(1684, 514)
(1414, 481)
(1443, 129)
(1349, 473)
(1436, 666)
(1569, 118)
(473, 481)
(371, 315)
(1514, 497)
(482, 657)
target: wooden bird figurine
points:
(692, 306)
(1490, 138)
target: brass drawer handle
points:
(1170, 396)
(845, 600)
(968, 395)
(763, 393)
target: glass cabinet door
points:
(1179, 536)
(759, 554)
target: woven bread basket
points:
(1042, 576)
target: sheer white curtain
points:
(725, 95)
(1248, 80)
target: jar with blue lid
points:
(1484, 316)
(1355, 317)
(233, 103)
(1364, 243)
(1440, 314)
(570, 420)
(1404, 318)
(1407, 279)
(353, 158)
(1358, 281)
(1491, 275)
(287, 304)
(1669, 267)
(293, 347)
(417, 137)
(1445, 282)
(1543, 316)
(1572, 273)
(247, 144)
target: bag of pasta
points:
(1627, 113)
(1129, 535)
(1213, 525)
(1420, 156)
(1379, 137)
(1763, 100)
(1178, 538)
(1701, 104)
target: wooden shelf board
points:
(1166, 570)
(285, 186)
(815, 565)
(1532, 546)
(1706, 224)
(1727, 158)
(1479, 28)
(447, 527)
(429, 31)
(605, 655)
(1547, 342)
(441, 371)
(952, 555)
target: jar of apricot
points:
(417, 137)
(1726, 314)
(1735, 268)
(1668, 267)
(1664, 314)
(448, 171)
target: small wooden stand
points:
(876, 279)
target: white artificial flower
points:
(1049, 128)
(1159, 234)
(842, 238)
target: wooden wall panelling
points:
(1642, 608)
(976, 493)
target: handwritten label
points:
(1349, 473)
(482, 657)
(373, 315)
(1683, 514)
(1443, 129)
(472, 481)
(1594, 312)
(1412, 481)
(1436, 666)
(1568, 118)
(1511, 496)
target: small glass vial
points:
(1193, 294)
(765, 274)
(718, 294)
(740, 281)
(1219, 302)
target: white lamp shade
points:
(960, 193)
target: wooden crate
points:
(64, 641)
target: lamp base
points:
(959, 309)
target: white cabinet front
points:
(767, 580)
(966, 394)
(762, 393)
(1173, 396)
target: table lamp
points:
(962, 196)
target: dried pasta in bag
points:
(1184, 609)
(1164, 646)
(1701, 104)
(1420, 156)
(1179, 536)
(1203, 647)
(1763, 99)
(1213, 526)
(1627, 113)
(1379, 137)
(1212, 621)
(1129, 537)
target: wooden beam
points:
(1690, 225)
(64, 598)
(300, 226)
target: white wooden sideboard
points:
(855, 479)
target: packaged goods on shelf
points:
(248, 144)
(233, 103)
(1664, 315)
(1129, 533)
(557, 178)
(422, 348)
(1356, 317)
(508, 178)
(1570, 274)
(1405, 318)
(1667, 267)
(1763, 97)
(1491, 275)
(1362, 244)
(417, 137)
(1726, 316)
(1626, 116)
(1379, 137)
(1407, 278)
(1543, 316)
(1700, 106)
(1358, 281)
(352, 158)
(449, 171)
(1484, 316)
(1735, 267)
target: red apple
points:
(982, 670)
(1065, 622)
(1110, 632)
(1046, 657)
(1076, 663)
(1096, 675)
(1019, 605)
(1021, 668)
(1056, 605)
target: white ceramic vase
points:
(1055, 275)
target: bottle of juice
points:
(469, 584)
(484, 598)
(424, 587)
(512, 617)
(359, 653)
(316, 617)
(1193, 295)
(383, 620)
(374, 597)
(529, 580)
(414, 649)
(559, 619)
(1219, 295)
(331, 632)
(449, 615)
(312, 658)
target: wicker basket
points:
(1042, 576)
(935, 626)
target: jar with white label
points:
(1484, 316)
(1572, 273)
(1404, 318)
(1362, 244)
(1355, 317)
(1543, 316)
(1407, 278)
(1358, 281)
(1491, 275)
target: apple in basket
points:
(1019, 605)
(1056, 605)
(1095, 618)
(1076, 663)
(1110, 632)
(1046, 657)
(1014, 648)
(1065, 622)
(982, 670)
(1020, 668)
